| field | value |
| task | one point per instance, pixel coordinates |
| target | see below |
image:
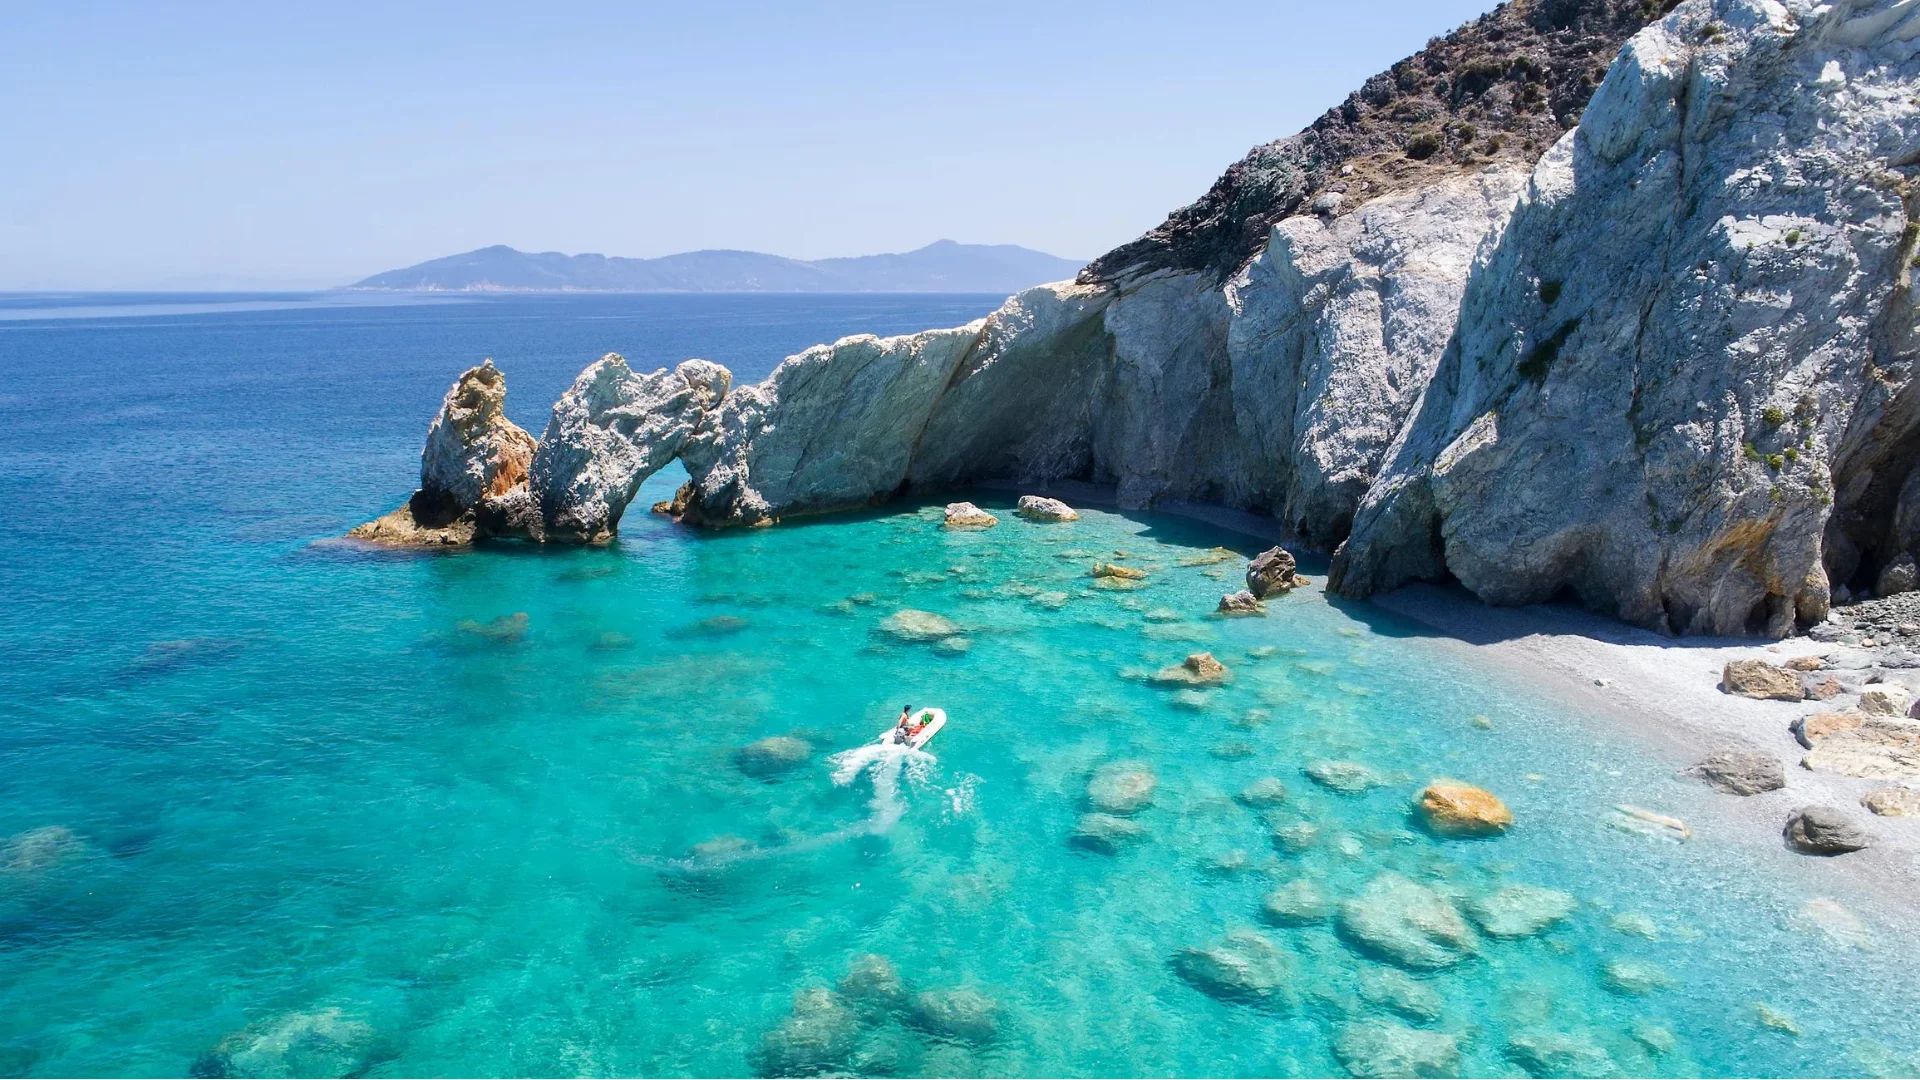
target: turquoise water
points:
(279, 805)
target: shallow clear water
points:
(332, 810)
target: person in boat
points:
(906, 729)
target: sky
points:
(281, 146)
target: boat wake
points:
(890, 768)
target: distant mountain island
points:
(942, 266)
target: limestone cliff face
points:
(1693, 339)
(1279, 389)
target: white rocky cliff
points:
(1680, 382)
(1646, 344)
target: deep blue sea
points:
(271, 804)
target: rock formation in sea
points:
(1595, 298)
(473, 452)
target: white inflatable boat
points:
(934, 719)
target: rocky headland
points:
(1595, 299)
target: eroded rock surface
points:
(611, 430)
(1640, 406)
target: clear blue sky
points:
(279, 145)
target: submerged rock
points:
(817, 1036)
(1271, 573)
(503, 629)
(38, 849)
(1559, 1054)
(962, 1014)
(1115, 570)
(1345, 777)
(1452, 808)
(324, 1042)
(1242, 966)
(1407, 923)
(1198, 669)
(1382, 1048)
(1209, 557)
(1396, 991)
(1520, 911)
(773, 755)
(1822, 830)
(873, 985)
(1741, 772)
(1108, 834)
(1261, 794)
(1759, 679)
(965, 515)
(1040, 508)
(1122, 788)
(909, 624)
(1241, 603)
(1634, 978)
(1297, 903)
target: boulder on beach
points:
(960, 1013)
(1881, 748)
(965, 515)
(909, 624)
(1453, 808)
(1039, 508)
(1198, 669)
(1382, 1048)
(1297, 903)
(1345, 777)
(1398, 992)
(1520, 910)
(772, 756)
(1560, 1054)
(816, 1036)
(1822, 830)
(1115, 570)
(1406, 923)
(1892, 802)
(1759, 679)
(1124, 787)
(1271, 573)
(1241, 603)
(1813, 727)
(1268, 791)
(1242, 966)
(1108, 834)
(1897, 576)
(1885, 699)
(1741, 772)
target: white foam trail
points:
(886, 762)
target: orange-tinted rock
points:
(1458, 809)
